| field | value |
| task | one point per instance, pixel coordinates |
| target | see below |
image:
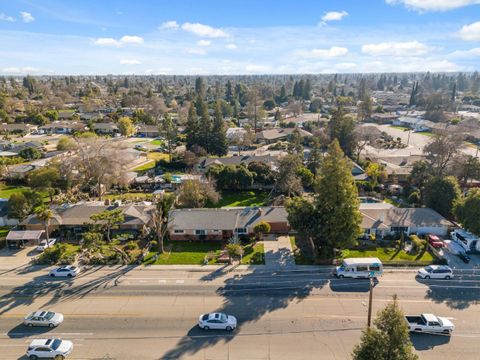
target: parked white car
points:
(217, 321)
(430, 323)
(57, 349)
(436, 272)
(43, 244)
(43, 318)
(65, 271)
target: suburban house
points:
(62, 127)
(385, 219)
(277, 134)
(148, 130)
(17, 128)
(105, 128)
(73, 219)
(204, 163)
(222, 224)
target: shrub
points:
(131, 245)
(418, 244)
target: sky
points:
(61, 37)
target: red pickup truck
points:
(435, 241)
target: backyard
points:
(242, 198)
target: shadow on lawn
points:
(248, 297)
(59, 289)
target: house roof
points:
(225, 218)
(279, 133)
(237, 160)
(15, 235)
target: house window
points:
(399, 229)
(240, 231)
(200, 232)
(177, 231)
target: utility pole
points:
(370, 299)
(408, 140)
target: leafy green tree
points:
(44, 214)
(66, 143)
(467, 210)
(219, 145)
(22, 204)
(389, 340)
(195, 194)
(262, 174)
(108, 219)
(234, 251)
(376, 173)
(306, 176)
(30, 153)
(288, 181)
(169, 132)
(440, 193)
(52, 115)
(342, 128)
(261, 228)
(44, 179)
(125, 126)
(192, 126)
(302, 217)
(160, 218)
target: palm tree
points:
(45, 214)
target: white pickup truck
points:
(429, 323)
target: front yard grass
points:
(7, 190)
(183, 253)
(242, 198)
(391, 256)
(157, 142)
(254, 254)
(145, 167)
(157, 156)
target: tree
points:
(342, 128)
(302, 217)
(160, 218)
(200, 87)
(232, 177)
(192, 127)
(204, 136)
(441, 151)
(466, 211)
(336, 201)
(262, 174)
(195, 194)
(234, 251)
(288, 181)
(440, 194)
(44, 179)
(376, 173)
(365, 109)
(30, 153)
(389, 340)
(44, 214)
(108, 219)
(219, 145)
(169, 132)
(125, 126)
(66, 143)
(261, 228)
(22, 204)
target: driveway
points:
(14, 258)
(279, 254)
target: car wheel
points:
(51, 326)
(69, 275)
(427, 277)
(206, 328)
(341, 276)
(59, 357)
(52, 275)
(30, 325)
(447, 277)
(33, 357)
(229, 328)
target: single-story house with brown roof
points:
(276, 134)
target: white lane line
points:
(162, 281)
(179, 281)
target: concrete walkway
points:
(279, 254)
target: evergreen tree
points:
(192, 126)
(205, 126)
(389, 340)
(306, 90)
(219, 145)
(200, 87)
(283, 94)
(441, 193)
(229, 91)
(342, 128)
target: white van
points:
(359, 268)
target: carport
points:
(20, 238)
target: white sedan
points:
(217, 321)
(65, 271)
(44, 244)
(43, 318)
(57, 349)
(436, 272)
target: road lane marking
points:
(179, 281)
(162, 281)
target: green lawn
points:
(157, 142)
(253, 254)
(7, 190)
(3, 234)
(157, 156)
(184, 253)
(145, 167)
(391, 256)
(242, 198)
(129, 196)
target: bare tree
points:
(366, 135)
(441, 151)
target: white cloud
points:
(20, 70)
(196, 51)
(26, 17)
(333, 16)
(470, 32)
(334, 51)
(433, 5)
(345, 66)
(465, 54)
(204, 42)
(204, 30)
(410, 48)
(125, 40)
(107, 42)
(131, 39)
(130, 62)
(257, 68)
(5, 17)
(172, 24)
(231, 46)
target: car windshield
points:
(205, 317)
(56, 343)
(428, 269)
(49, 315)
(223, 317)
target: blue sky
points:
(238, 36)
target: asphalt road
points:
(151, 314)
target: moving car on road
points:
(57, 349)
(43, 318)
(217, 321)
(359, 268)
(430, 323)
(65, 271)
(44, 244)
(435, 272)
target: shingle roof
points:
(24, 234)
(279, 133)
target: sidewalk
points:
(279, 254)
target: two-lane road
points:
(151, 314)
